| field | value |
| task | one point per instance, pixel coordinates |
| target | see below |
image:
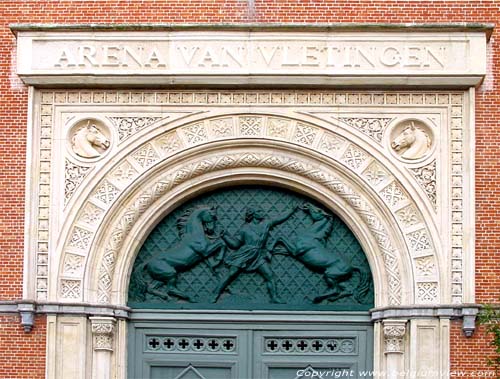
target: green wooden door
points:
(245, 350)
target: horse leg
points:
(174, 291)
(337, 289)
(215, 260)
(164, 274)
(154, 289)
(332, 296)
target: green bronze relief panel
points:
(251, 248)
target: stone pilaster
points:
(394, 347)
(103, 330)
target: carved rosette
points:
(103, 330)
(394, 335)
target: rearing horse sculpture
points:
(310, 248)
(198, 242)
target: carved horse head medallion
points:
(412, 143)
(89, 142)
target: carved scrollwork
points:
(74, 176)
(128, 126)
(426, 177)
(372, 127)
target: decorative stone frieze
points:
(128, 126)
(426, 177)
(74, 175)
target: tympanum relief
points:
(254, 247)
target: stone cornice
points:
(27, 309)
(442, 310)
(337, 27)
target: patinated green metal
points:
(251, 248)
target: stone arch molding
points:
(380, 201)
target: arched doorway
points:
(250, 282)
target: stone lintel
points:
(382, 56)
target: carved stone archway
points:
(393, 197)
(88, 210)
(250, 163)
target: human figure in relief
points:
(251, 253)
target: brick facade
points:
(23, 355)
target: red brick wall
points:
(465, 352)
(22, 355)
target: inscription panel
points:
(188, 55)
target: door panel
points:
(293, 354)
(191, 353)
(192, 371)
(248, 351)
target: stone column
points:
(394, 347)
(103, 330)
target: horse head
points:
(209, 220)
(315, 212)
(405, 139)
(198, 222)
(89, 141)
(412, 143)
(96, 138)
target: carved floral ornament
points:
(103, 330)
(358, 161)
(394, 336)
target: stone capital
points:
(394, 335)
(103, 329)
